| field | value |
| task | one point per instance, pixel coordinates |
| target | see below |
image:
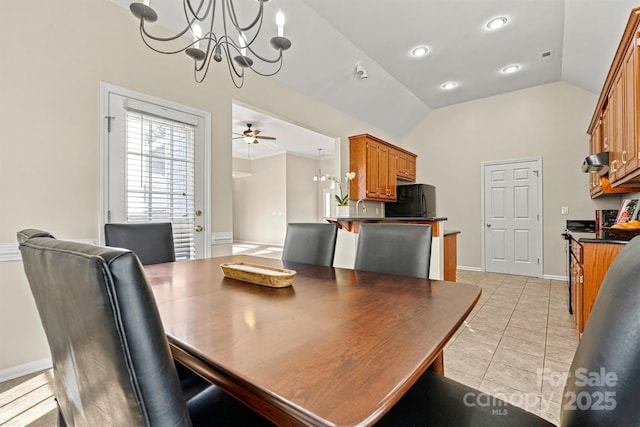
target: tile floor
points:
(517, 344)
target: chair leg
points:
(61, 422)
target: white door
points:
(512, 227)
(154, 168)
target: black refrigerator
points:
(414, 200)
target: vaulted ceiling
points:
(578, 38)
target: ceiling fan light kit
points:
(252, 135)
(217, 43)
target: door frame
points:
(105, 90)
(538, 230)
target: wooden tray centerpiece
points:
(263, 275)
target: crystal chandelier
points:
(230, 39)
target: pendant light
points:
(319, 177)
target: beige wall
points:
(50, 76)
(260, 202)
(549, 121)
(279, 190)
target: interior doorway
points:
(511, 217)
(276, 178)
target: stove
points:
(575, 226)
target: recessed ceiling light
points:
(449, 85)
(496, 23)
(420, 51)
(510, 69)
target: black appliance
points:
(413, 200)
(576, 226)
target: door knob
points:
(198, 212)
(199, 228)
(488, 225)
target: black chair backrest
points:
(111, 358)
(395, 249)
(151, 242)
(310, 243)
(604, 380)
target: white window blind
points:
(160, 162)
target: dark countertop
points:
(598, 237)
(397, 218)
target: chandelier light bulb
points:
(242, 41)
(197, 34)
(280, 23)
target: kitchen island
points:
(443, 244)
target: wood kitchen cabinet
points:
(377, 165)
(406, 166)
(614, 125)
(589, 265)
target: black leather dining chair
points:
(111, 359)
(603, 382)
(310, 243)
(151, 242)
(394, 249)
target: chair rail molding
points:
(10, 252)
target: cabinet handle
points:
(613, 166)
(624, 153)
(606, 143)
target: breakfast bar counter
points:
(443, 245)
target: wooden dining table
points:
(338, 347)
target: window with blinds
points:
(160, 175)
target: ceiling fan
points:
(252, 135)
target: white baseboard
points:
(26, 369)
(467, 268)
(552, 277)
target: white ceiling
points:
(330, 36)
(290, 138)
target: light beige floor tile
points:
(466, 363)
(562, 331)
(534, 316)
(495, 325)
(515, 378)
(533, 348)
(566, 343)
(541, 310)
(559, 354)
(496, 311)
(538, 325)
(519, 360)
(526, 334)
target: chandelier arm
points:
(234, 73)
(271, 61)
(234, 19)
(268, 74)
(164, 39)
(164, 52)
(186, 4)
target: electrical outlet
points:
(565, 210)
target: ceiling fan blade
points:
(265, 137)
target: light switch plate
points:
(565, 210)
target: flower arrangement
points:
(343, 199)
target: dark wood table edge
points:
(435, 363)
(288, 414)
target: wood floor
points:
(519, 326)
